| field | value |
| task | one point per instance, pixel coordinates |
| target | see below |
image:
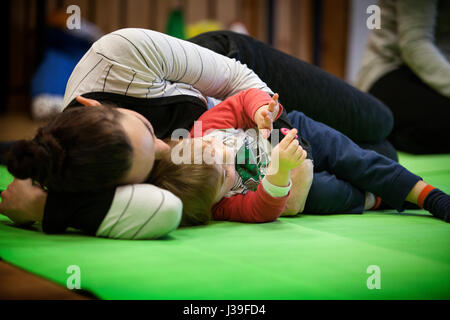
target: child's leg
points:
(328, 194)
(366, 170)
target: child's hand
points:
(287, 154)
(265, 116)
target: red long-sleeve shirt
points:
(238, 112)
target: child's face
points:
(228, 172)
(224, 161)
(218, 151)
(215, 153)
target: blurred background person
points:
(406, 65)
(63, 48)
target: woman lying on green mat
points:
(101, 142)
(170, 82)
(245, 180)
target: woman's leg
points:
(366, 170)
(421, 114)
(328, 194)
(307, 88)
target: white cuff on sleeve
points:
(276, 191)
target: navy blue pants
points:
(307, 88)
(343, 171)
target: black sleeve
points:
(82, 210)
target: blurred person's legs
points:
(421, 115)
(307, 88)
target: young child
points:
(256, 187)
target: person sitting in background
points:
(406, 65)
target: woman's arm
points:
(416, 22)
(163, 57)
(140, 211)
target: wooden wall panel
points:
(51, 5)
(283, 20)
(195, 10)
(303, 29)
(85, 7)
(17, 43)
(261, 20)
(17, 82)
(163, 9)
(334, 36)
(107, 15)
(227, 11)
(139, 14)
(293, 27)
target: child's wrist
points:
(274, 190)
(281, 178)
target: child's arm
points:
(269, 200)
(240, 111)
(301, 178)
(254, 206)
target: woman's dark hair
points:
(82, 149)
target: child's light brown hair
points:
(197, 185)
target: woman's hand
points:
(265, 116)
(23, 202)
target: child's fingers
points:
(275, 98)
(265, 123)
(300, 154)
(271, 107)
(292, 148)
(288, 138)
(273, 103)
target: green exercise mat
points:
(398, 255)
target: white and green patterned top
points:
(251, 157)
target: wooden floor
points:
(15, 126)
(18, 284)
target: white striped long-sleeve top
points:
(147, 64)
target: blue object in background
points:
(63, 50)
(53, 73)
